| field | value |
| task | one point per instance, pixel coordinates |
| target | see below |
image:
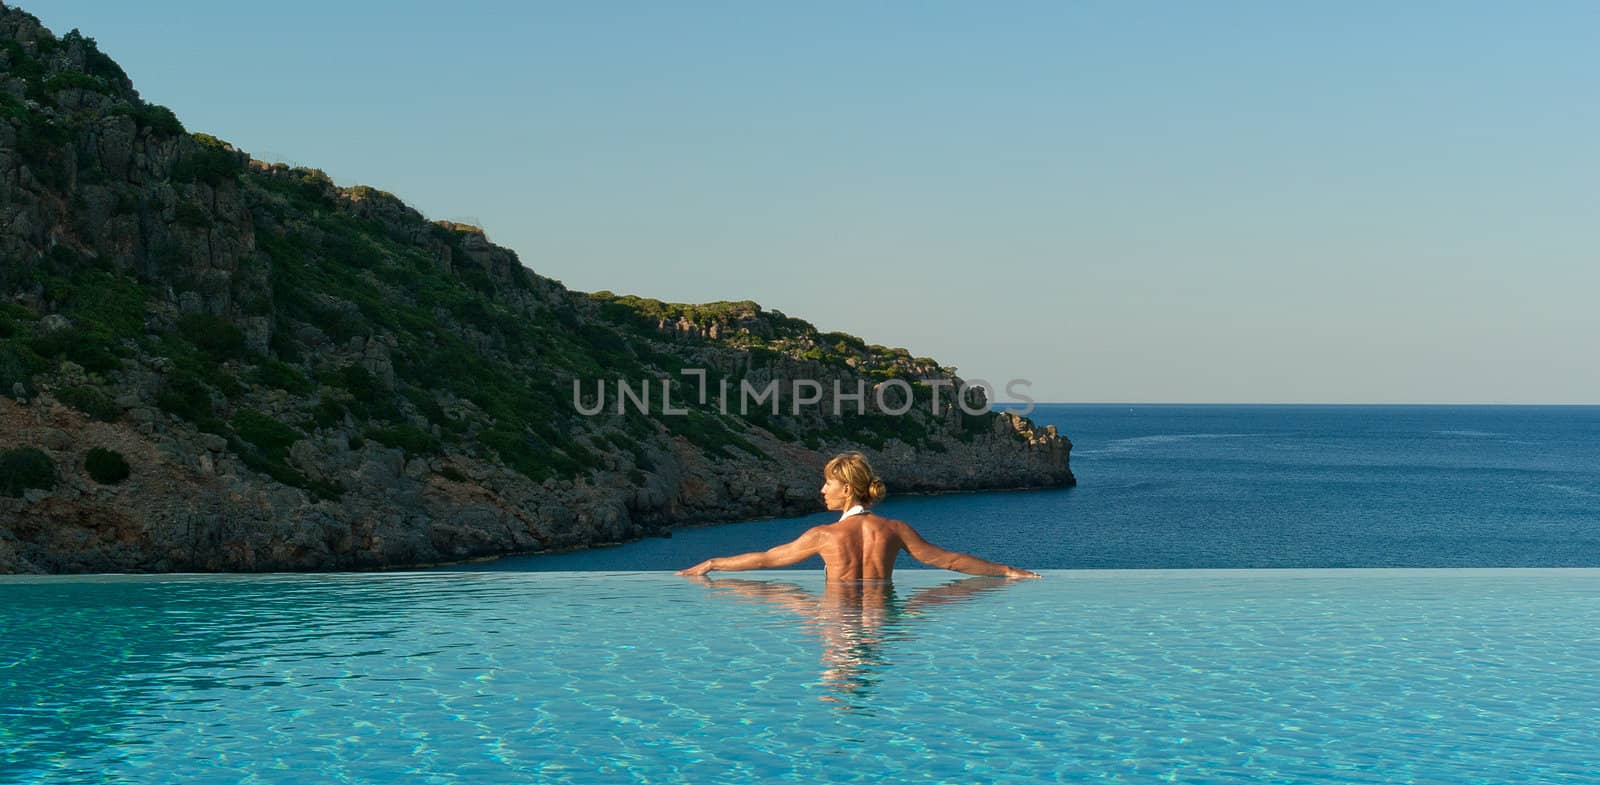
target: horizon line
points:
(1000, 404)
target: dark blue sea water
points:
(1177, 486)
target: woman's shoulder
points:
(879, 520)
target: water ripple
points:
(1220, 676)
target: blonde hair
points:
(852, 469)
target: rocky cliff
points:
(211, 362)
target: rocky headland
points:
(210, 362)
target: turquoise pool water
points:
(1440, 676)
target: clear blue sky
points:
(1120, 201)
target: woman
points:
(860, 545)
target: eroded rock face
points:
(189, 505)
(92, 178)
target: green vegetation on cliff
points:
(266, 305)
(106, 467)
(25, 468)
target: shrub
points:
(96, 62)
(363, 386)
(706, 431)
(521, 453)
(328, 413)
(283, 345)
(159, 119)
(105, 306)
(214, 335)
(106, 467)
(189, 213)
(283, 376)
(413, 440)
(74, 344)
(23, 468)
(186, 396)
(282, 472)
(641, 459)
(212, 162)
(17, 366)
(69, 80)
(271, 436)
(369, 399)
(228, 384)
(976, 424)
(22, 64)
(351, 249)
(91, 402)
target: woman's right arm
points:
(804, 547)
(934, 556)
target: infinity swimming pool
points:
(1120, 676)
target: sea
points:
(1243, 486)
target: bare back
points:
(861, 547)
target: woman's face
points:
(835, 494)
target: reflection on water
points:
(855, 621)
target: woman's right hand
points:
(699, 569)
(1013, 572)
